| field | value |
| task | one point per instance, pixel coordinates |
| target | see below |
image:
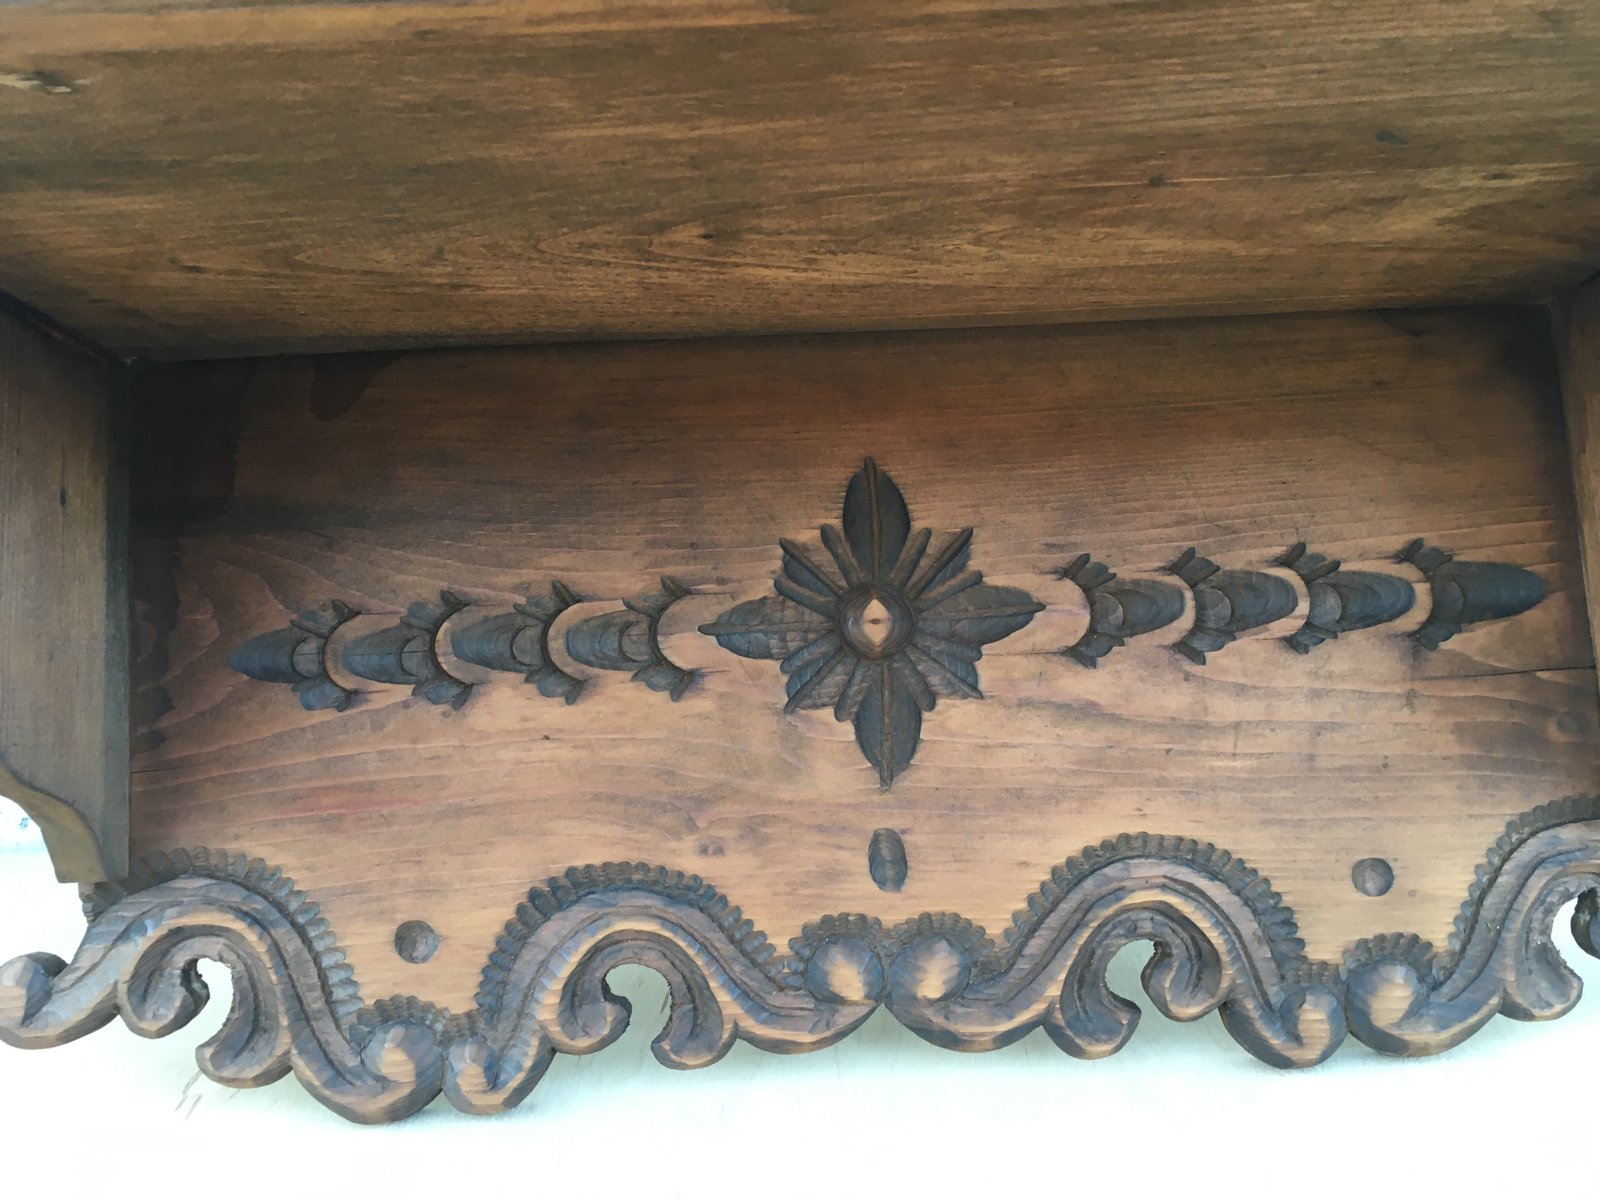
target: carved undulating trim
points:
(1224, 941)
(1407, 998)
(295, 997)
(881, 627)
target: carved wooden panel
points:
(921, 672)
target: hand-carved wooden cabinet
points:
(416, 596)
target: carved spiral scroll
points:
(545, 987)
(1407, 999)
(1223, 938)
(1224, 941)
(294, 995)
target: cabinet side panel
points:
(1578, 334)
(63, 599)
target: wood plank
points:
(63, 598)
(1577, 319)
(198, 180)
(280, 485)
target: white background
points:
(1181, 1111)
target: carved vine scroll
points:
(1224, 941)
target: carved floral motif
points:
(881, 630)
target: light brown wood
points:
(198, 179)
(1577, 319)
(63, 598)
(287, 485)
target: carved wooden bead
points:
(845, 971)
(934, 968)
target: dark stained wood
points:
(198, 179)
(63, 598)
(1224, 942)
(492, 477)
(466, 677)
(1577, 323)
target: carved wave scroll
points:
(1223, 941)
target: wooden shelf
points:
(203, 179)
(1163, 459)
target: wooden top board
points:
(202, 179)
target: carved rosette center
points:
(876, 624)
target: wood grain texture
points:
(1577, 326)
(197, 179)
(270, 488)
(63, 598)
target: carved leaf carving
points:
(771, 627)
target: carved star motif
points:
(881, 626)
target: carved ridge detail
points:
(1343, 601)
(1223, 941)
(1465, 593)
(1228, 603)
(629, 640)
(1118, 609)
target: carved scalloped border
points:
(1224, 940)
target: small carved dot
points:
(416, 941)
(1372, 877)
(886, 860)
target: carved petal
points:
(982, 614)
(888, 726)
(876, 521)
(771, 627)
(822, 680)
